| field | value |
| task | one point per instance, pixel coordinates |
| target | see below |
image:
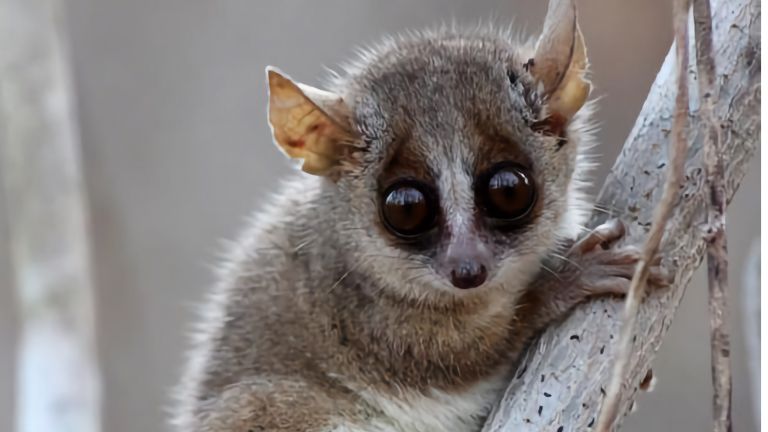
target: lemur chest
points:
(434, 411)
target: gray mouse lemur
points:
(393, 284)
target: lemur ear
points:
(307, 123)
(560, 61)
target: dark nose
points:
(468, 274)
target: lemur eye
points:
(409, 208)
(507, 193)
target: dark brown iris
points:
(408, 208)
(508, 193)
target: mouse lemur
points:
(392, 284)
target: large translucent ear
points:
(308, 123)
(560, 60)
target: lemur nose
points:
(467, 260)
(468, 274)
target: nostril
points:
(468, 275)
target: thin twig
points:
(717, 255)
(678, 147)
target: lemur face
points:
(454, 162)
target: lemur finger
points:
(614, 285)
(625, 267)
(625, 255)
(604, 235)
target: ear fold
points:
(560, 61)
(307, 123)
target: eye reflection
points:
(408, 208)
(507, 193)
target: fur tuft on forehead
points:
(441, 46)
(393, 48)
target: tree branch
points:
(58, 384)
(610, 409)
(567, 376)
(717, 254)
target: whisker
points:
(552, 272)
(347, 273)
(564, 258)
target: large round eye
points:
(409, 208)
(508, 193)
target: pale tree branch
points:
(560, 385)
(57, 380)
(610, 409)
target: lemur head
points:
(452, 156)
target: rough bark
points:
(678, 147)
(561, 382)
(717, 249)
(57, 385)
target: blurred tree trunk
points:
(57, 386)
(561, 383)
(750, 296)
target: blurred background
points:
(176, 152)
